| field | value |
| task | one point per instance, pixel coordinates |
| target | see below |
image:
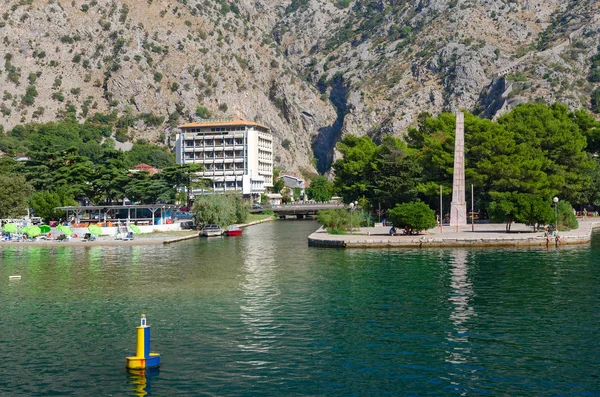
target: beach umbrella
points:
(45, 229)
(135, 229)
(97, 230)
(9, 228)
(33, 231)
(66, 231)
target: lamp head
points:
(555, 199)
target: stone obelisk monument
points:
(458, 209)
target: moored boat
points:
(210, 231)
(233, 231)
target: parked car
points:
(177, 215)
(257, 207)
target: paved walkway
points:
(485, 234)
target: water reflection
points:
(94, 259)
(259, 291)
(462, 310)
(141, 380)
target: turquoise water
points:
(266, 315)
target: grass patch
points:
(257, 217)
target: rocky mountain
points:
(312, 70)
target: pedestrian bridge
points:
(302, 210)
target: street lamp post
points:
(352, 205)
(555, 199)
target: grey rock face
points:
(313, 70)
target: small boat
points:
(210, 231)
(233, 231)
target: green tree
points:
(64, 170)
(396, 173)
(241, 207)
(214, 209)
(110, 178)
(526, 208)
(534, 211)
(146, 189)
(353, 172)
(279, 183)
(321, 189)
(143, 152)
(551, 144)
(503, 208)
(566, 216)
(14, 191)
(184, 176)
(535, 149)
(44, 203)
(416, 216)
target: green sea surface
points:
(265, 315)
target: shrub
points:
(338, 221)
(335, 221)
(58, 96)
(152, 120)
(121, 135)
(158, 77)
(566, 217)
(202, 112)
(416, 216)
(30, 94)
(5, 110)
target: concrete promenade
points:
(485, 235)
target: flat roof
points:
(224, 123)
(115, 207)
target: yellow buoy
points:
(143, 357)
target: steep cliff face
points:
(162, 58)
(312, 70)
(400, 58)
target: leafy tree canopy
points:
(220, 209)
(143, 152)
(45, 202)
(525, 208)
(383, 175)
(416, 216)
(14, 191)
(321, 189)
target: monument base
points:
(458, 214)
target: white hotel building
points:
(237, 155)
